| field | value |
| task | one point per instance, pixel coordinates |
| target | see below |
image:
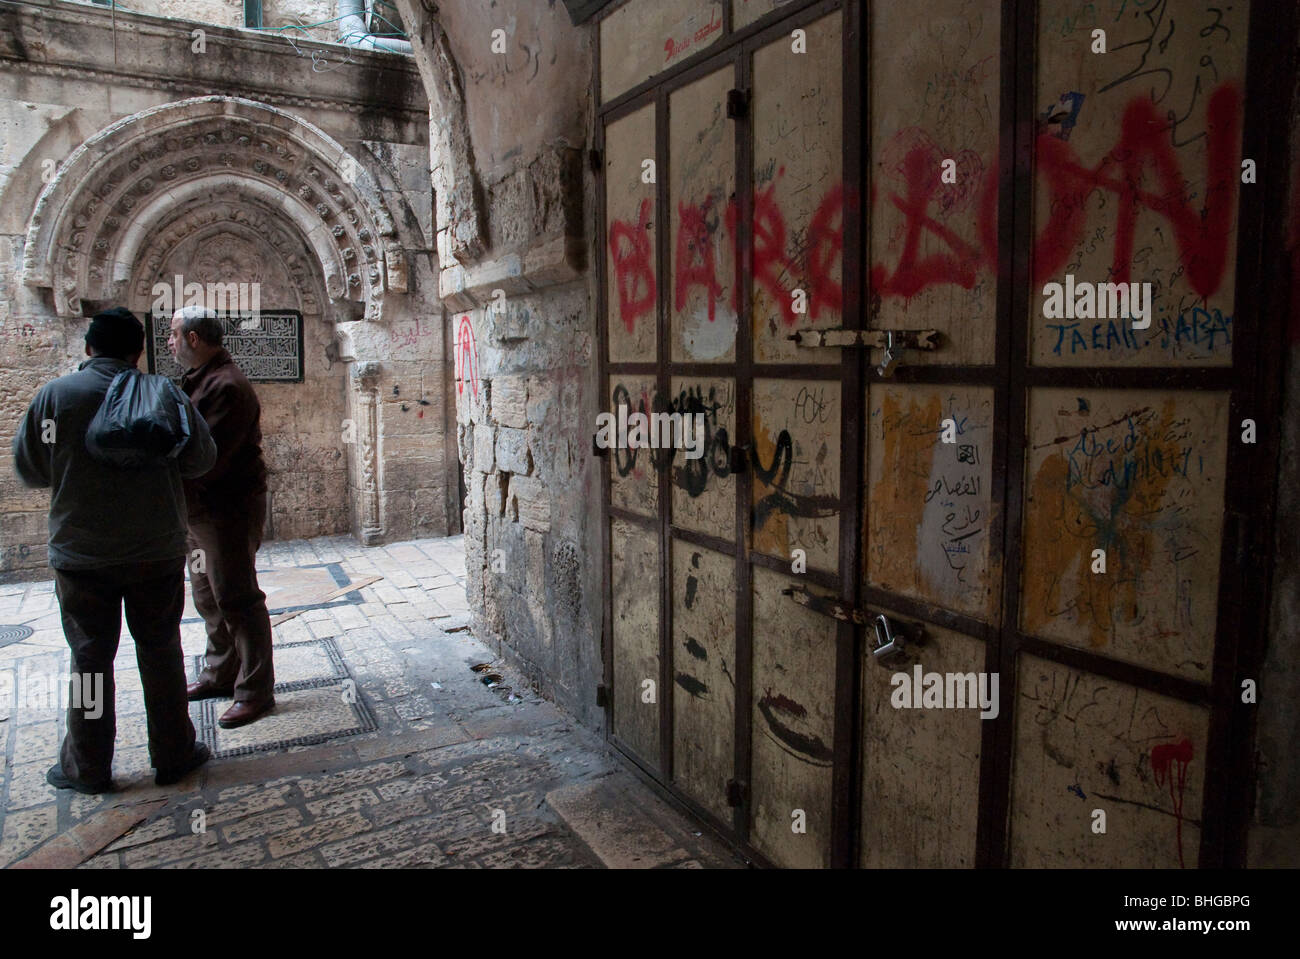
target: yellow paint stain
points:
(1066, 525)
(899, 482)
(773, 537)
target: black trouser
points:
(90, 602)
(231, 603)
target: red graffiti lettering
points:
(694, 261)
(1202, 235)
(771, 263)
(963, 263)
(634, 275)
(466, 357)
(1178, 755)
(825, 247)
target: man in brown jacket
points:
(227, 510)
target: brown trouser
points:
(223, 579)
(90, 602)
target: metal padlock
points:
(884, 368)
(886, 642)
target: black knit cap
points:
(116, 333)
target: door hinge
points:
(737, 104)
(602, 696)
(735, 793)
(595, 159)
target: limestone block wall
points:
(59, 88)
(508, 141)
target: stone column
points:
(366, 398)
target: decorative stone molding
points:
(94, 219)
(83, 43)
(242, 215)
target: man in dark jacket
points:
(115, 536)
(227, 510)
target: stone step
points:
(627, 826)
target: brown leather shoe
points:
(241, 714)
(205, 690)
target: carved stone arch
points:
(93, 220)
(243, 218)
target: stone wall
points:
(507, 153)
(59, 88)
(299, 16)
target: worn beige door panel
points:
(631, 277)
(1086, 745)
(793, 726)
(634, 565)
(921, 764)
(704, 667)
(930, 496)
(1123, 523)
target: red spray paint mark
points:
(634, 275)
(962, 265)
(776, 271)
(694, 263)
(466, 357)
(825, 248)
(1201, 232)
(771, 263)
(1179, 755)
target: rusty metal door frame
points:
(1253, 381)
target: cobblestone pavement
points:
(455, 775)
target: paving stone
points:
(549, 852)
(308, 837)
(145, 833)
(426, 856)
(27, 786)
(410, 787)
(346, 802)
(39, 742)
(258, 801)
(185, 846)
(399, 810)
(236, 857)
(103, 861)
(25, 830)
(483, 840)
(265, 824)
(350, 778)
(304, 860)
(396, 838)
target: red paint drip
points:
(1178, 755)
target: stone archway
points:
(218, 185)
